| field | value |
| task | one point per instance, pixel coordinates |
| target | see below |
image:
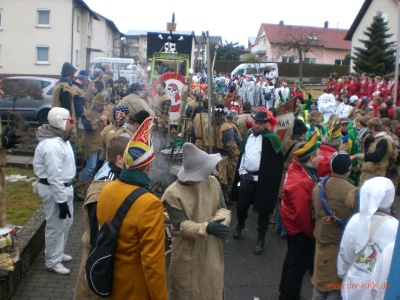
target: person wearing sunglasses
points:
(54, 165)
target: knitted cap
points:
(299, 127)
(84, 75)
(340, 163)
(139, 152)
(68, 69)
(309, 147)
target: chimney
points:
(326, 24)
(281, 23)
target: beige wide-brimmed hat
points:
(197, 165)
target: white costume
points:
(359, 252)
(326, 105)
(54, 161)
(343, 110)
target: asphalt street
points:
(249, 276)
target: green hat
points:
(309, 147)
(335, 133)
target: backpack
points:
(100, 261)
(268, 94)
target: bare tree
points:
(297, 42)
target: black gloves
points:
(9, 139)
(217, 229)
(64, 210)
(280, 94)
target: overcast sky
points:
(234, 21)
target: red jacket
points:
(354, 88)
(324, 166)
(296, 202)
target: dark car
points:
(34, 110)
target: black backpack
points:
(100, 261)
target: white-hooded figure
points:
(364, 240)
(136, 71)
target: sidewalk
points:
(40, 283)
(19, 160)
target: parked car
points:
(34, 110)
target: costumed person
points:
(245, 120)
(200, 219)
(331, 144)
(258, 175)
(297, 89)
(365, 237)
(381, 152)
(64, 95)
(225, 144)
(200, 123)
(94, 121)
(54, 165)
(314, 123)
(327, 103)
(161, 106)
(333, 205)
(113, 129)
(109, 172)
(290, 145)
(140, 249)
(301, 178)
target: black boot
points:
(259, 248)
(238, 232)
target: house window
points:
(312, 37)
(288, 59)
(78, 23)
(77, 58)
(339, 62)
(89, 29)
(135, 41)
(43, 18)
(1, 19)
(310, 60)
(42, 55)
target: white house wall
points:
(389, 10)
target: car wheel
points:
(42, 117)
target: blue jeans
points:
(279, 224)
(90, 167)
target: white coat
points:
(358, 280)
(326, 105)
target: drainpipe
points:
(72, 35)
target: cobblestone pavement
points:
(41, 284)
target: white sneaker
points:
(59, 268)
(66, 258)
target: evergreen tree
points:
(377, 56)
(229, 51)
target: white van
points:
(120, 67)
(268, 70)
